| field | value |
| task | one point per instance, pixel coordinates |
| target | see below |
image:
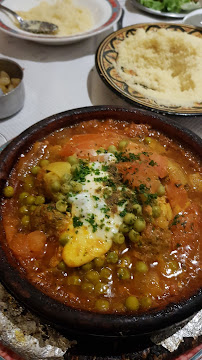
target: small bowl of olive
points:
(12, 93)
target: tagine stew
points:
(105, 216)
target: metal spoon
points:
(33, 26)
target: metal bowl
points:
(13, 101)
(58, 314)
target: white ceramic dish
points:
(194, 18)
(105, 13)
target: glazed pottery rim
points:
(53, 311)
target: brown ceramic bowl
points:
(55, 313)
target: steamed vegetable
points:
(171, 5)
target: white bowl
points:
(194, 18)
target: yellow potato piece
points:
(156, 146)
(83, 247)
(59, 168)
(176, 173)
(166, 214)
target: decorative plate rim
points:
(158, 12)
(116, 11)
(107, 49)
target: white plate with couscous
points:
(156, 66)
(76, 19)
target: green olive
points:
(35, 170)
(156, 211)
(23, 210)
(112, 257)
(93, 276)
(72, 160)
(118, 238)
(25, 220)
(124, 228)
(146, 302)
(112, 149)
(62, 266)
(64, 238)
(105, 273)
(73, 280)
(88, 266)
(147, 140)
(86, 286)
(30, 200)
(122, 145)
(61, 206)
(66, 188)
(132, 303)
(134, 236)
(102, 305)
(140, 266)
(101, 288)
(99, 261)
(23, 196)
(39, 200)
(8, 191)
(123, 273)
(43, 162)
(139, 224)
(55, 186)
(137, 208)
(129, 219)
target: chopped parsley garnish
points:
(152, 163)
(105, 167)
(122, 157)
(121, 202)
(176, 220)
(123, 213)
(101, 179)
(92, 222)
(81, 172)
(96, 198)
(105, 209)
(77, 222)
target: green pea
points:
(60, 196)
(118, 238)
(8, 191)
(132, 303)
(124, 228)
(74, 168)
(66, 188)
(137, 208)
(86, 286)
(123, 273)
(122, 145)
(93, 276)
(39, 200)
(112, 257)
(33, 208)
(99, 261)
(30, 200)
(146, 302)
(105, 273)
(76, 187)
(102, 305)
(43, 162)
(35, 170)
(61, 206)
(134, 236)
(23, 196)
(64, 238)
(66, 178)
(156, 211)
(112, 149)
(73, 280)
(62, 266)
(55, 186)
(126, 261)
(101, 288)
(161, 190)
(72, 160)
(129, 219)
(88, 266)
(140, 266)
(139, 224)
(23, 210)
(25, 220)
(147, 140)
